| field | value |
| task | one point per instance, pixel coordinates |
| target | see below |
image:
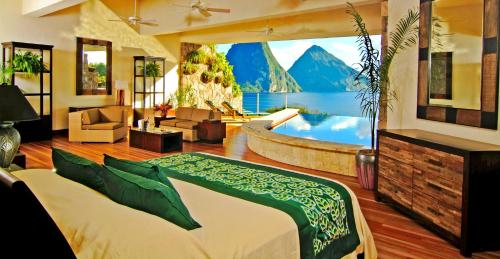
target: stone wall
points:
(201, 91)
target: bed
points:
(232, 227)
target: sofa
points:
(187, 119)
(98, 125)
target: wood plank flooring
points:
(396, 236)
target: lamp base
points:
(9, 143)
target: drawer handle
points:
(435, 212)
(435, 162)
(434, 186)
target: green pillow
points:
(143, 169)
(147, 195)
(78, 169)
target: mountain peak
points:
(315, 48)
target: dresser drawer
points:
(395, 149)
(440, 189)
(398, 191)
(437, 164)
(437, 212)
(394, 169)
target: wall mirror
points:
(93, 67)
(458, 63)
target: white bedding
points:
(97, 227)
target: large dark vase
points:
(365, 167)
(9, 143)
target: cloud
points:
(287, 55)
(348, 122)
(346, 52)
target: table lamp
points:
(120, 86)
(13, 107)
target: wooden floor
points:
(396, 236)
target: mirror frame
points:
(79, 65)
(487, 116)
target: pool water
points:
(338, 129)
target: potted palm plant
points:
(373, 80)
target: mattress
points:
(97, 227)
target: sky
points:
(287, 52)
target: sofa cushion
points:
(184, 113)
(111, 114)
(103, 126)
(90, 116)
(200, 115)
(187, 124)
(170, 123)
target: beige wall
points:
(404, 80)
(61, 29)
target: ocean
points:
(339, 103)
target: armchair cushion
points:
(103, 126)
(111, 114)
(200, 115)
(90, 116)
(184, 113)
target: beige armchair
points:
(98, 125)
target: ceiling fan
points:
(204, 9)
(135, 20)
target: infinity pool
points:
(338, 129)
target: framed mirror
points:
(93, 67)
(458, 62)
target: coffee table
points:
(156, 140)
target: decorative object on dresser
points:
(13, 107)
(32, 73)
(444, 183)
(156, 140)
(372, 80)
(212, 131)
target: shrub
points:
(197, 57)
(189, 68)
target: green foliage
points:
(302, 110)
(99, 67)
(28, 62)
(207, 76)
(236, 89)
(197, 57)
(249, 88)
(153, 69)
(374, 74)
(5, 74)
(189, 68)
(185, 96)
(220, 63)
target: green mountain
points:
(257, 70)
(319, 71)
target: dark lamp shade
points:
(14, 106)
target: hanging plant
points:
(5, 74)
(153, 69)
(207, 76)
(218, 79)
(29, 63)
(197, 57)
(189, 68)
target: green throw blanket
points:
(321, 209)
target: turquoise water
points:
(339, 129)
(344, 103)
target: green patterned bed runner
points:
(321, 209)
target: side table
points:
(212, 131)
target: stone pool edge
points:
(315, 154)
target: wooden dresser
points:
(450, 185)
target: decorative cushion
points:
(90, 116)
(200, 115)
(78, 169)
(171, 123)
(147, 195)
(143, 169)
(111, 114)
(103, 126)
(187, 124)
(184, 113)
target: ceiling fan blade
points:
(218, 10)
(148, 23)
(204, 12)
